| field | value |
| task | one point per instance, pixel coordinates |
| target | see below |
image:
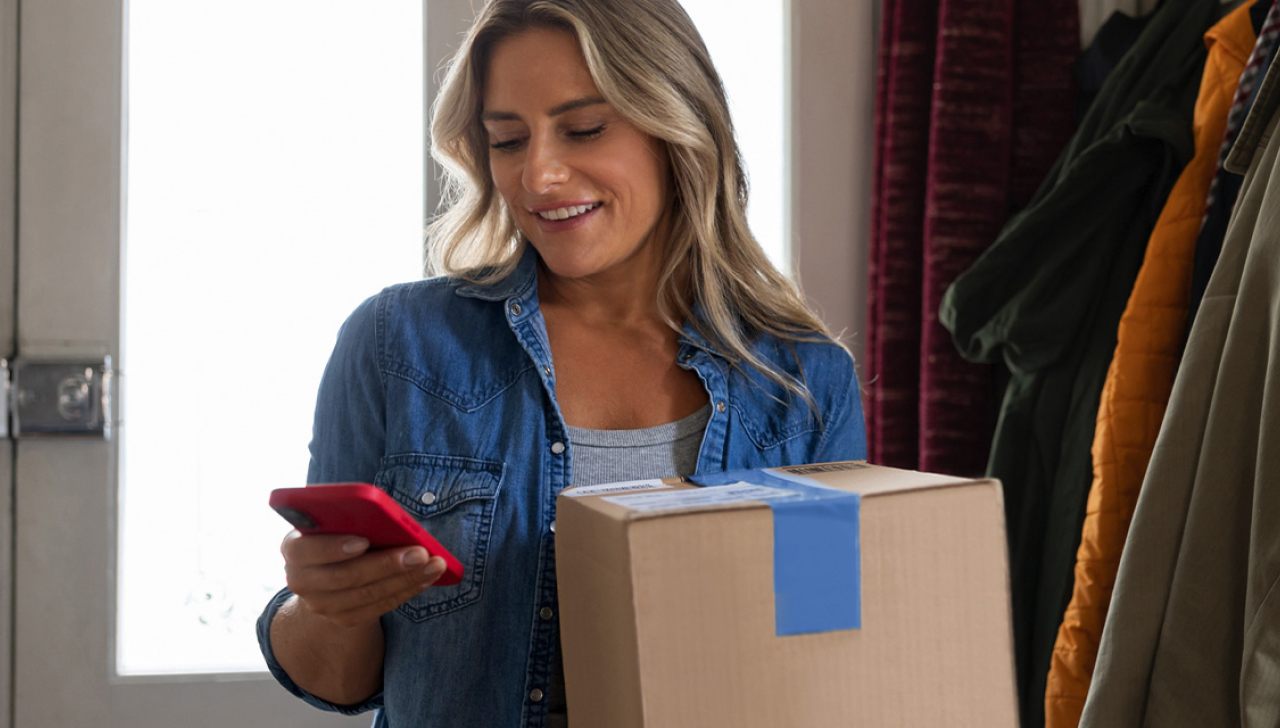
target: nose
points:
(543, 167)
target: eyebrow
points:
(554, 111)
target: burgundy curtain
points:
(975, 100)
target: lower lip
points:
(556, 226)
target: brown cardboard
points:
(667, 620)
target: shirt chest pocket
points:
(454, 499)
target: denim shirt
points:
(443, 394)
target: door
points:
(8, 277)
(115, 118)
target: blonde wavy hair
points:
(649, 62)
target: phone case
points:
(363, 510)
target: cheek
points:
(647, 182)
(649, 167)
(500, 174)
(639, 178)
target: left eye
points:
(587, 133)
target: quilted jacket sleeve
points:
(1140, 378)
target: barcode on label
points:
(823, 468)
(623, 487)
(712, 497)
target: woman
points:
(603, 314)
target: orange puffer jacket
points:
(1141, 376)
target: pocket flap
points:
(428, 485)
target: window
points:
(747, 41)
(275, 180)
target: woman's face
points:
(585, 186)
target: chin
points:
(568, 263)
(571, 267)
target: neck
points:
(624, 294)
(615, 296)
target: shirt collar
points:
(517, 284)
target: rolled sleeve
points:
(282, 677)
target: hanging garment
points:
(1046, 300)
(994, 134)
(1148, 347)
(1110, 44)
(1096, 14)
(966, 202)
(904, 83)
(1226, 185)
(1193, 634)
(961, 141)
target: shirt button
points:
(428, 498)
(546, 371)
(553, 526)
(546, 613)
(557, 447)
(720, 406)
(516, 309)
(535, 695)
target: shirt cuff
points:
(273, 665)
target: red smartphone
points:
(363, 510)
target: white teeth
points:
(564, 213)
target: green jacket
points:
(1046, 299)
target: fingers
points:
(366, 602)
(362, 570)
(374, 600)
(299, 550)
(339, 578)
(328, 563)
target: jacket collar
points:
(516, 285)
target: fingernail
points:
(435, 568)
(355, 545)
(413, 557)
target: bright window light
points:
(275, 180)
(747, 41)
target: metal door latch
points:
(57, 397)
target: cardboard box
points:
(669, 617)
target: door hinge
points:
(53, 397)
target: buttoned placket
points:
(525, 320)
(692, 355)
(524, 317)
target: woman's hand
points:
(327, 636)
(339, 579)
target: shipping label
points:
(622, 487)
(699, 498)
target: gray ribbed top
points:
(608, 456)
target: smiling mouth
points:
(566, 213)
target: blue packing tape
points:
(817, 559)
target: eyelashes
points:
(577, 135)
(588, 133)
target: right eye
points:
(505, 146)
